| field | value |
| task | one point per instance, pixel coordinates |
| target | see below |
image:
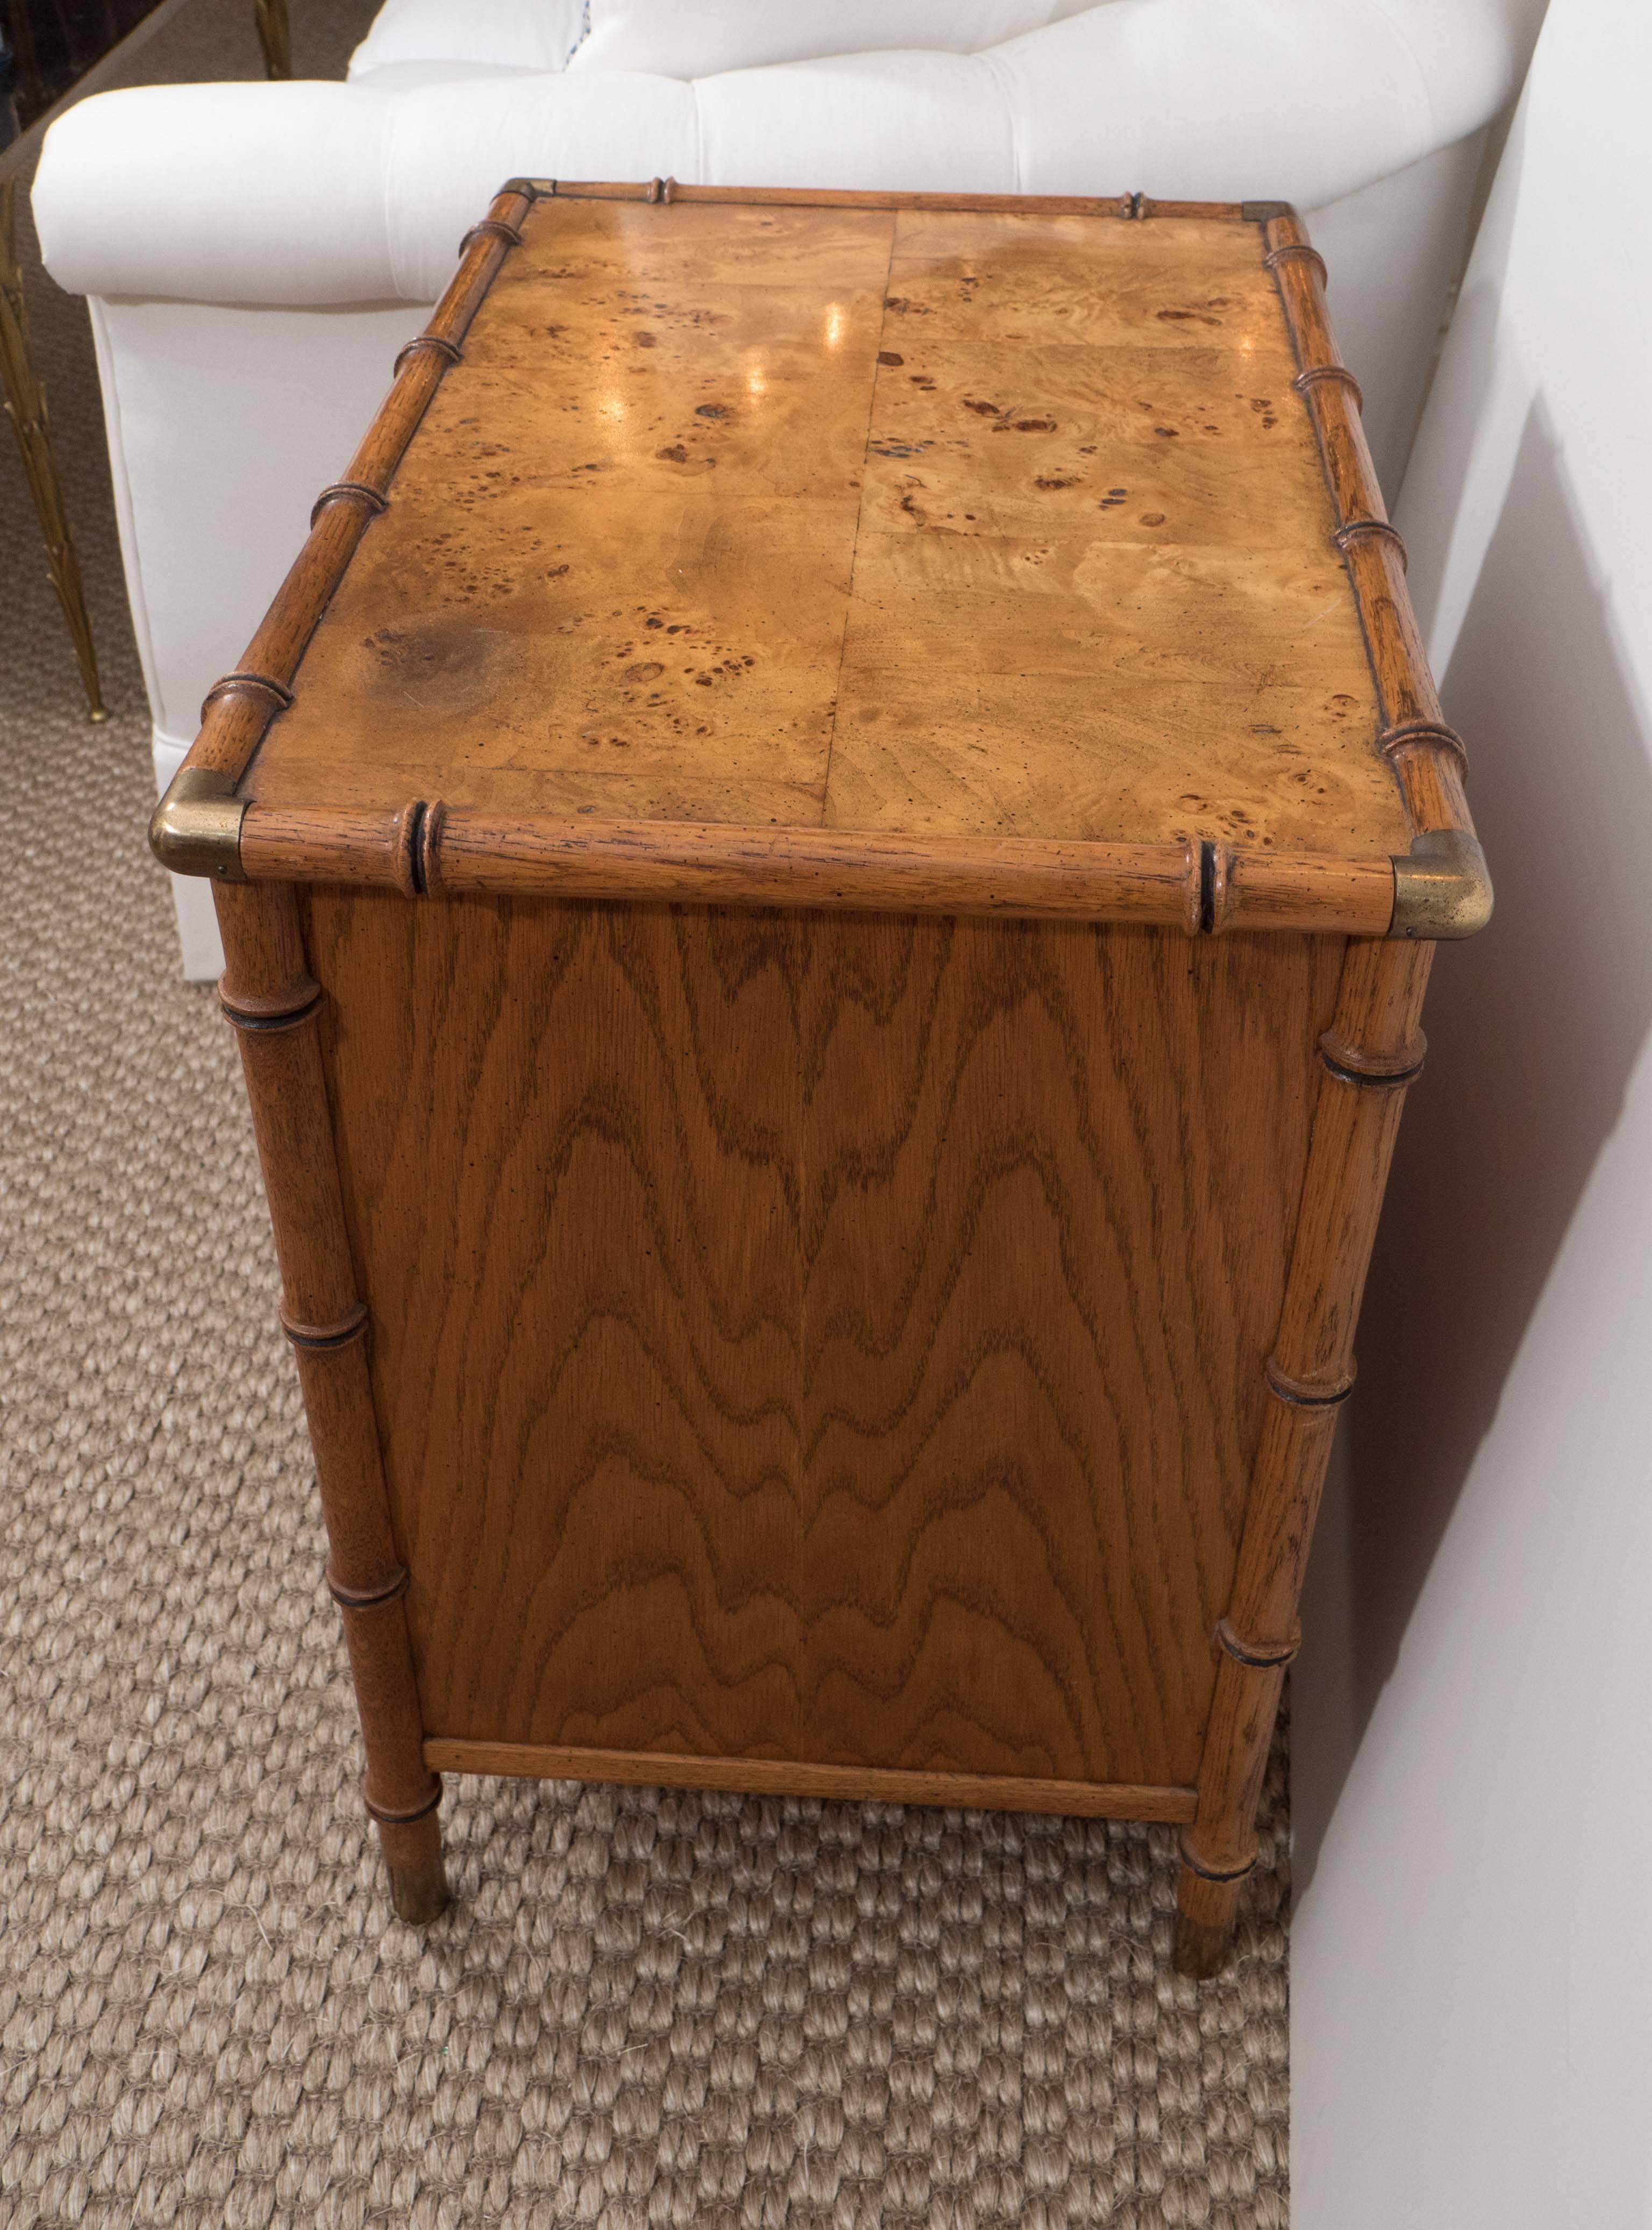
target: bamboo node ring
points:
(322, 1338)
(391, 1816)
(490, 228)
(350, 492)
(1424, 735)
(1261, 1656)
(1318, 374)
(249, 685)
(1295, 251)
(1306, 1393)
(429, 345)
(270, 1025)
(1214, 1873)
(368, 1598)
(1363, 529)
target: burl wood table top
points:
(932, 520)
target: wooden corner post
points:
(1371, 1051)
(274, 1005)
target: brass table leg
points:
(276, 36)
(26, 408)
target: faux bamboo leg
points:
(1370, 1054)
(25, 405)
(270, 998)
(275, 36)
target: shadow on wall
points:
(1532, 1031)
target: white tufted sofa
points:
(254, 254)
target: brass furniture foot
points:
(25, 404)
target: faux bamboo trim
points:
(349, 492)
(323, 1337)
(1346, 536)
(1206, 1872)
(266, 1025)
(388, 1817)
(249, 685)
(432, 345)
(1296, 251)
(1425, 735)
(1369, 1080)
(1309, 1373)
(1201, 888)
(1306, 381)
(765, 1777)
(1441, 886)
(1129, 206)
(1261, 1656)
(491, 227)
(268, 978)
(368, 1598)
(1308, 1392)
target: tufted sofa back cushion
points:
(701, 38)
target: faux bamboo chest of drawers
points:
(827, 860)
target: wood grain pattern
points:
(919, 520)
(832, 869)
(835, 1341)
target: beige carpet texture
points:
(643, 2008)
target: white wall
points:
(1472, 1713)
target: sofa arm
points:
(227, 193)
(314, 194)
(308, 195)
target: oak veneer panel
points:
(864, 517)
(834, 1340)
(1049, 1183)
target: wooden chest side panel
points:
(1051, 1181)
(835, 1339)
(569, 1156)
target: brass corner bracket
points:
(1441, 888)
(196, 828)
